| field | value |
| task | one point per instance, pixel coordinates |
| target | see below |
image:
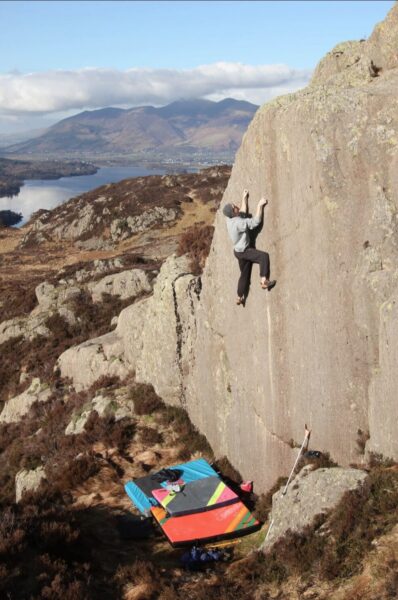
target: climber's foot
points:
(268, 285)
(240, 300)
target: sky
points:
(58, 58)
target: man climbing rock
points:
(239, 226)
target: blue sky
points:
(57, 58)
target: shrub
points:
(149, 436)
(263, 503)
(188, 436)
(145, 399)
(196, 242)
(227, 470)
(323, 461)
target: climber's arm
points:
(243, 224)
(259, 213)
(244, 206)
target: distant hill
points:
(188, 126)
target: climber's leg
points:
(245, 267)
(262, 259)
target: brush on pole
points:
(305, 442)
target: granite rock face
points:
(309, 494)
(321, 347)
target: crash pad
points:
(198, 496)
(140, 490)
(219, 523)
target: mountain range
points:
(187, 126)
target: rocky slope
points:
(129, 209)
(64, 278)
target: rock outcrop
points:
(154, 337)
(105, 216)
(51, 300)
(27, 327)
(126, 284)
(310, 494)
(16, 408)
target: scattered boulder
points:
(117, 405)
(27, 327)
(100, 404)
(310, 493)
(51, 297)
(123, 228)
(127, 284)
(15, 408)
(51, 300)
(28, 481)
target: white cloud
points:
(56, 91)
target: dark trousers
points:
(246, 260)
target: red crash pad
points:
(220, 523)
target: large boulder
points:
(167, 353)
(126, 284)
(310, 494)
(154, 337)
(93, 359)
(320, 348)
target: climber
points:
(239, 226)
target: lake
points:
(45, 193)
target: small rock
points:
(28, 481)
